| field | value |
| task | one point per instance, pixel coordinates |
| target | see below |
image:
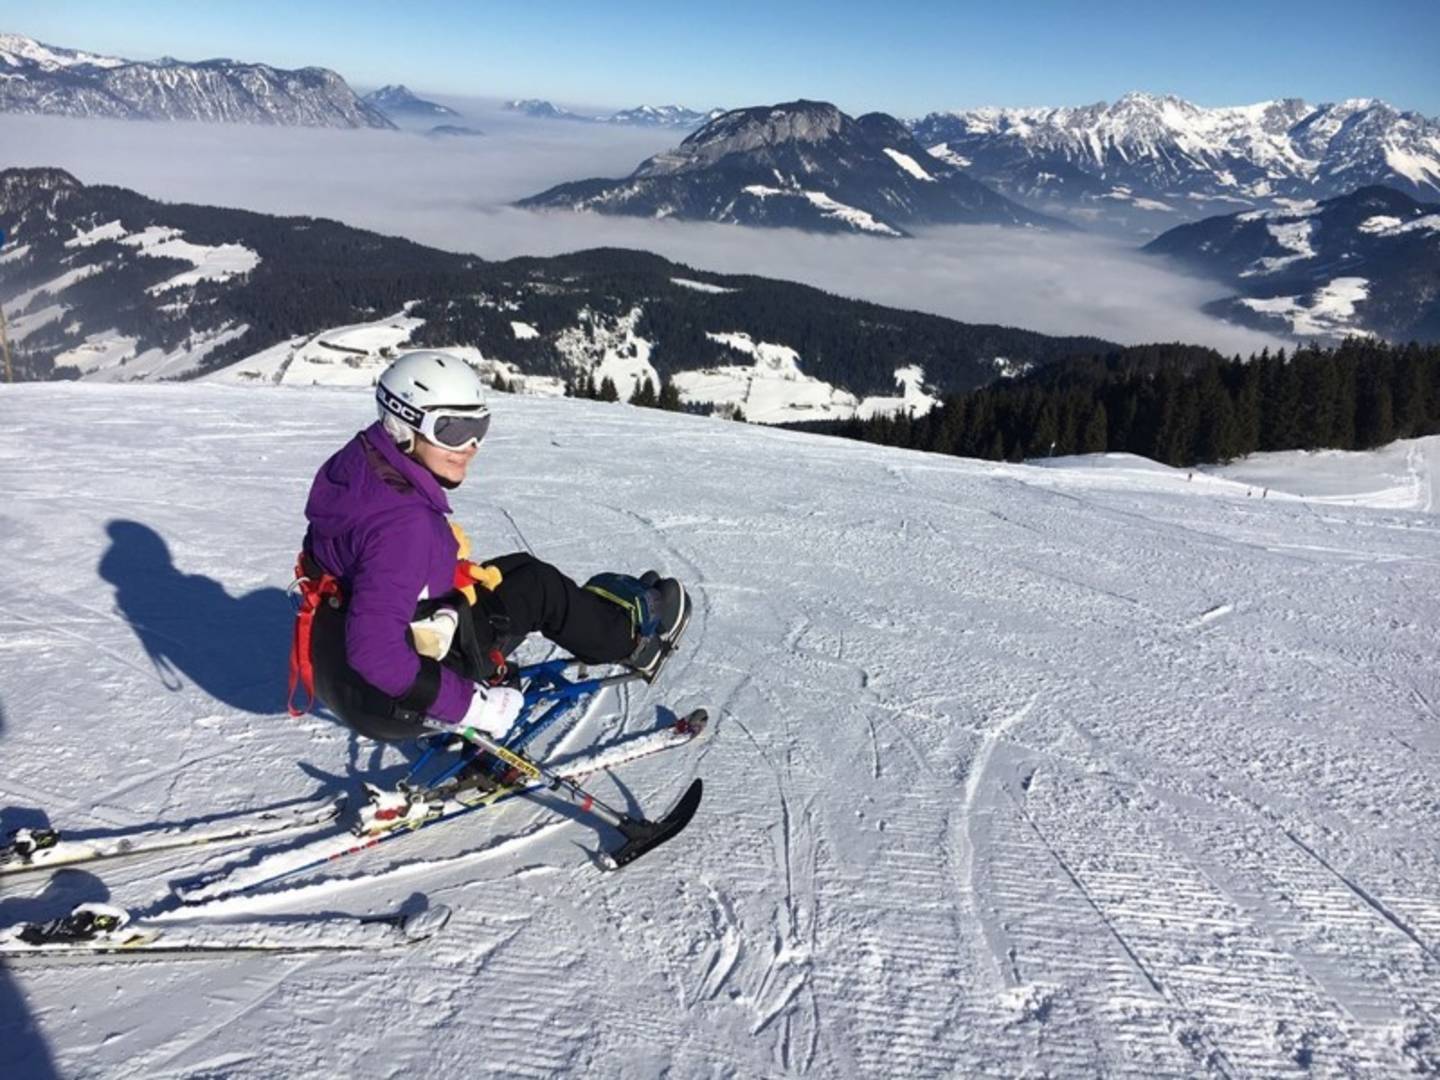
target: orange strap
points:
(312, 593)
(469, 574)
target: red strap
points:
(312, 594)
(462, 574)
(497, 677)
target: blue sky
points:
(904, 56)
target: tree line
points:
(1183, 405)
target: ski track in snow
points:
(1017, 770)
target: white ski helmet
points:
(435, 394)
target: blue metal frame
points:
(545, 684)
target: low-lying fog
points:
(454, 193)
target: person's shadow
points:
(236, 649)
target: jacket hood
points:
(369, 476)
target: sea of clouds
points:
(456, 193)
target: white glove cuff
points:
(493, 710)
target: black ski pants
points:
(532, 596)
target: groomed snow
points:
(111, 230)
(829, 207)
(1294, 237)
(1328, 312)
(1385, 225)
(912, 399)
(54, 286)
(1097, 769)
(353, 355)
(700, 286)
(949, 156)
(908, 164)
(774, 390)
(211, 263)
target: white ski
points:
(101, 931)
(43, 849)
(394, 814)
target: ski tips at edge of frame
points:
(644, 836)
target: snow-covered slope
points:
(1099, 768)
(1367, 262)
(114, 286)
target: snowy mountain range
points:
(102, 283)
(399, 101)
(802, 164)
(37, 78)
(1147, 162)
(1367, 262)
(668, 116)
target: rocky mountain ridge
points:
(102, 283)
(38, 78)
(1364, 263)
(1147, 162)
(662, 116)
(800, 164)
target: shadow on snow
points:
(236, 649)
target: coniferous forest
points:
(1183, 405)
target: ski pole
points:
(640, 835)
(544, 777)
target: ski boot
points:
(669, 607)
(24, 843)
(86, 923)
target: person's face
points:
(446, 464)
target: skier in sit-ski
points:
(397, 628)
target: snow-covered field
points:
(1096, 768)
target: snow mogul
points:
(396, 627)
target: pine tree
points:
(644, 394)
(1095, 439)
(608, 390)
(669, 398)
(1409, 397)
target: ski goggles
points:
(455, 429)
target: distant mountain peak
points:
(38, 78)
(21, 186)
(397, 99)
(1362, 262)
(17, 47)
(746, 130)
(1149, 161)
(671, 116)
(799, 164)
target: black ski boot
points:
(669, 606)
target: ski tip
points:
(694, 723)
(646, 836)
(425, 924)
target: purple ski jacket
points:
(378, 523)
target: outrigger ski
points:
(94, 931)
(462, 771)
